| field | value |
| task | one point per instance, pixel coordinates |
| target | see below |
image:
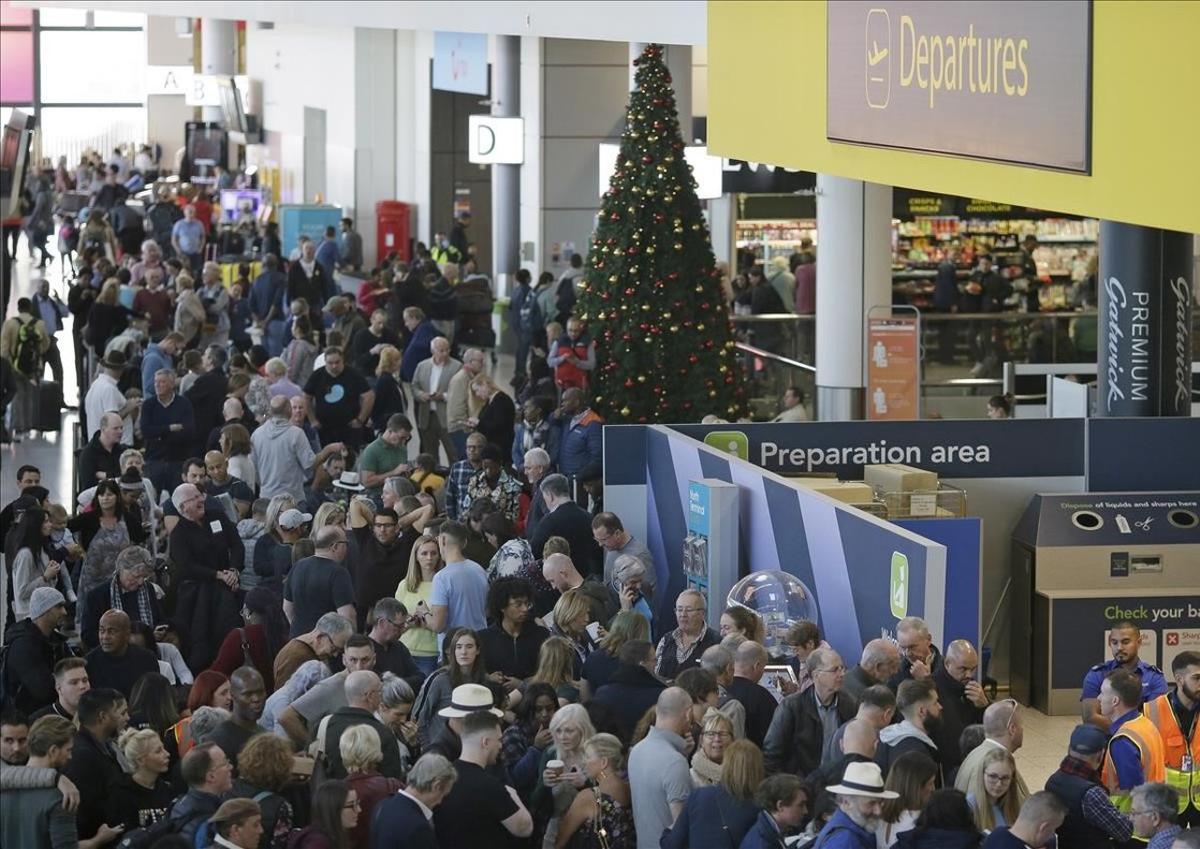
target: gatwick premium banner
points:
(967, 79)
(1145, 301)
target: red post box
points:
(393, 229)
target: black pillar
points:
(1145, 299)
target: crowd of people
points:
(384, 674)
(260, 620)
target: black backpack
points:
(29, 354)
(144, 838)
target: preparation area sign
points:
(981, 79)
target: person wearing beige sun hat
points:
(860, 796)
(464, 700)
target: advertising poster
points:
(893, 368)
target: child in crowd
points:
(425, 476)
(64, 549)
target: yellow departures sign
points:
(971, 63)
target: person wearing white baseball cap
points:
(294, 519)
(860, 796)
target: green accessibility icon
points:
(898, 596)
(731, 442)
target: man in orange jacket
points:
(1174, 715)
(1135, 753)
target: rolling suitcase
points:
(49, 407)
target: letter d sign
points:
(485, 141)
(492, 140)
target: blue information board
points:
(306, 219)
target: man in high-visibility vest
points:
(1135, 752)
(1174, 715)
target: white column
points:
(679, 64)
(635, 50)
(218, 55)
(531, 172)
(722, 214)
(854, 221)
(506, 189)
(375, 140)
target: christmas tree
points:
(651, 294)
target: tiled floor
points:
(1045, 745)
(1045, 736)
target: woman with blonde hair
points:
(556, 663)
(329, 514)
(716, 737)
(727, 808)
(602, 663)
(993, 791)
(603, 814)
(189, 310)
(497, 419)
(389, 395)
(572, 614)
(423, 563)
(362, 753)
(142, 797)
(272, 557)
(235, 445)
(570, 727)
(107, 318)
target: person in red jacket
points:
(573, 357)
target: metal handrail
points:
(1014, 370)
(767, 355)
(927, 317)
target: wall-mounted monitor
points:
(238, 205)
(14, 160)
(231, 105)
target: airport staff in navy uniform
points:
(1123, 640)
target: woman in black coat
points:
(389, 396)
(498, 418)
(107, 318)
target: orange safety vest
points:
(1145, 736)
(1181, 756)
